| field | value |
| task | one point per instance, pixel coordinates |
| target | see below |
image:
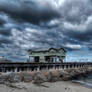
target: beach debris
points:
(14, 77)
(26, 77)
(15, 86)
(54, 76)
(3, 78)
(39, 78)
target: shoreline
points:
(60, 86)
(82, 83)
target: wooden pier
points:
(19, 67)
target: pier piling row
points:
(20, 67)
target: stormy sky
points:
(38, 24)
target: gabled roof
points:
(46, 50)
(57, 49)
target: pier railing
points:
(18, 67)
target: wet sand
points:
(45, 87)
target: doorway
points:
(36, 59)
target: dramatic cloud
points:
(38, 24)
(29, 10)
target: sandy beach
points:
(46, 87)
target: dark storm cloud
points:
(81, 36)
(29, 24)
(5, 41)
(28, 10)
(76, 11)
(5, 31)
(3, 18)
(2, 22)
(78, 17)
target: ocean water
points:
(85, 81)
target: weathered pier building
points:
(43, 60)
(47, 56)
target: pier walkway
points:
(18, 67)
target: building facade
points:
(48, 56)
